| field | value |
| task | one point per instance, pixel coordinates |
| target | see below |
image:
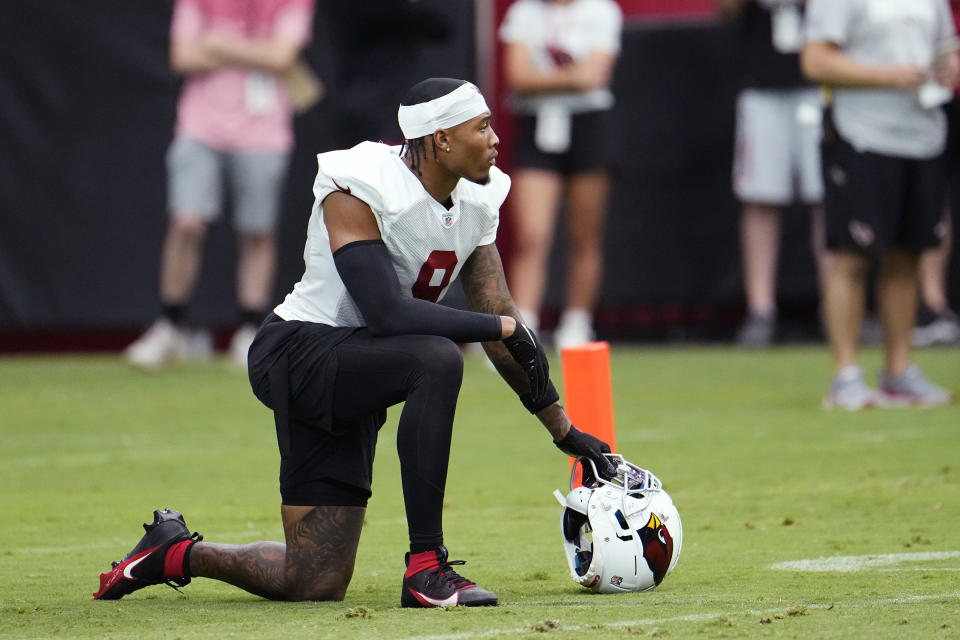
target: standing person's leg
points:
(844, 301)
(587, 210)
(818, 244)
(256, 268)
(853, 201)
(587, 195)
(181, 259)
(535, 198)
(897, 302)
(195, 174)
(916, 224)
(932, 268)
(764, 157)
(760, 247)
(844, 296)
(937, 322)
(258, 180)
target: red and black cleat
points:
(430, 581)
(158, 558)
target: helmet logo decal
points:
(657, 547)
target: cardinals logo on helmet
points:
(657, 547)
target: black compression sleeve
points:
(367, 271)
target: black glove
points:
(529, 354)
(583, 445)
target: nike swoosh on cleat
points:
(433, 602)
(133, 563)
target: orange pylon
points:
(588, 390)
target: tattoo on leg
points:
(315, 564)
(256, 567)
(321, 551)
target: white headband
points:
(462, 104)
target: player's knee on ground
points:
(321, 551)
(331, 586)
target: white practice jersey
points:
(427, 242)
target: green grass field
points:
(760, 473)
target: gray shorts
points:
(777, 153)
(198, 176)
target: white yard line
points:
(694, 617)
(863, 563)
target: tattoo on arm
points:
(486, 289)
(484, 283)
(554, 418)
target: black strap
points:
(548, 398)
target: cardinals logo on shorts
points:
(657, 547)
(861, 232)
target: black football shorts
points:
(877, 202)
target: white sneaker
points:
(240, 344)
(849, 391)
(197, 345)
(911, 388)
(936, 329)
(159, 344)
(575, 328)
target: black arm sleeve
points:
(367, 271)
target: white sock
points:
(576, 317)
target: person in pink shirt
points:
(233, 131)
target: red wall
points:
(651, 8)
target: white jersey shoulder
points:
(428, 242)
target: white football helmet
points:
(622, 534)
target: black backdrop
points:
(86, 113)
(87, 103)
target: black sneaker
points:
(146, 564)
(758, 330)
(440, 586)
